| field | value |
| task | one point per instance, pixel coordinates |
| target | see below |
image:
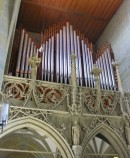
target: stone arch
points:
(111, 136)
(43, 127)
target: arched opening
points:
(30, 137)
(103, 142)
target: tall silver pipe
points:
(52, 58)
(43, 60)
(111, 69)
(108, 70)
(71, 39)
(27, 57)
(68, 50)
(77, 60)
(87, 65)
(65, 54)
(20, 52)
(100, 76)
(30, 55)
(57, 56)
(105, 71)
(49, 60)
(61, 57)
(24, 56)
(84, 63)
(79, 57)
(46, 64)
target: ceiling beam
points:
(68, 12)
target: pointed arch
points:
(43, 127)
(111, 136)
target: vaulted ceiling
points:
(89, 16)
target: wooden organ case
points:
(57, 44)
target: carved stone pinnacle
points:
(34, 61)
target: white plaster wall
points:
(117, 33)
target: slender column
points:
(117, 75)
(76, 132)
(96, 72)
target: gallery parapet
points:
(57, 96)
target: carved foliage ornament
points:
(45, 96)
(108, 101)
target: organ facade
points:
(74, 88)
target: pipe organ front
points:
(57, 44)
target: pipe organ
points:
(57, 44)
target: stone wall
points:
(8, 18)
(117, 33)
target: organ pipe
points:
(57, 44)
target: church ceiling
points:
(89, 16)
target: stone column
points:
(96, 72)
(117, 75)
(77, 150)
(8, 19)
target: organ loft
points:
(61, 96)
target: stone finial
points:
(117, 75)
(34, 61)
(73, 70)
(96, 72)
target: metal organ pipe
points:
(84, 63)
(57, 57)
(27, 57)
(111, 69)
(77, 60)
(20, 53)
(56, 51)
(52, 58)
(68, 49)
(64, 55)
(49, 60)
(61, 57)
(79, 57)
(46, 60)
(43, 60)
